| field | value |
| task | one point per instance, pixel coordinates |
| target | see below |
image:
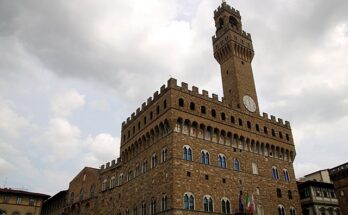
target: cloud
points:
(64, 104)
(11, 123)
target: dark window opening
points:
(145, 120)
(240, 122)
(287, 137)
(233, 120)
(280, 135)
(188, 174)
(279, 193)
(224, 180)
(249, 124)
(192, 106)
(257, 127)
(181, 102)
(213, 113)
(223, 116)
(289, 194)
(273, 133)
(206, 177)
(158, 109)
(265, 130)
(165, 104)
(151, 115)
(203, 110)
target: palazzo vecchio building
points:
(185, 152)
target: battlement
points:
(226, 7)
(204, 94)
(171, 83)
(111, 164)
(243, 33)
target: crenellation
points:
(163, 87)
(265, 115)
(128, 120)
(184, 86)
(205, 93)
(195, 90)
(113, 162)
(102, 167)
(155, 95)
(107, 165)
(149, 100)
(287, 124)
(143, 106)
(215, 97)
(133, 115)
(172, 82)
(280, 121)
(273, 118)
(137, 111)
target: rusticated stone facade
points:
(186, 152)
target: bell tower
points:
(233, 50)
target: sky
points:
(72, 71)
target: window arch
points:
(281, 210)
(213, 113)
(222, 161)
(279, 193)
(181, 102)
(104, 184)
(292, 211)
(233, 120)
(255, 169)
(144, 166)
(203, 110)
(225, 206)
(187, 153)
(205, 158)
(240, 122)
(154, 160)
(223, 116)
(275, 174)
(164, 154)
(192, 106)
(189, 201)
(289, 194)
(164, 203)
(112, 182)
(153, 206)
(121, 179)
(164, 104)
(286, 175)
(208, 204)
(236, 165)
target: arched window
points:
(233, 120)
(292, 211)
(143, 209)
(127, 212)
(275, 174)
(222, 161)
(240, 122)
(181, 102)
(187, 153)
(286, 175)
(289, 194)
(279, 193)
(112, 182)
(225, 206)
(153, 206)
(154, 160)
(164, 203)
(104, 185)
(189, 201)
(281, 210)
(192, 106)
(249, 124)
(221, 24)
(92, 191)
(164, 154)
(223, 116)
(205, 159)
(203, 110)
(81, 194)
(120, 179)
(236, 165)
(255, 169)
(144, 166)
(164, 104)
(265, 130)
(213, 113)
(135, 211)
(233, 22)
(208, 204)
(257, 127)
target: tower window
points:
(287, 137)
(181, 102)
(280, 135)
(273, 133)
(203, 111)
(165, 104)
(257, 127)
(240, 122)
(289, 194)
(223, 116)
(221, 24)
(151, 115)
(192, 106)
(158, 109)
(233, 22)
(233, 120)
(213, 113)
(249, 124)
(227, 72)
(279, 193)
(145, 120)
(265, 130)
(242, 62)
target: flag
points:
(251, 206)
(247, 201)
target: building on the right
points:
(339, 176)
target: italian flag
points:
(250, 205)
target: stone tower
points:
(233, 49)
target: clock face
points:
(249, 103)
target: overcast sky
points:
(72, 71)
